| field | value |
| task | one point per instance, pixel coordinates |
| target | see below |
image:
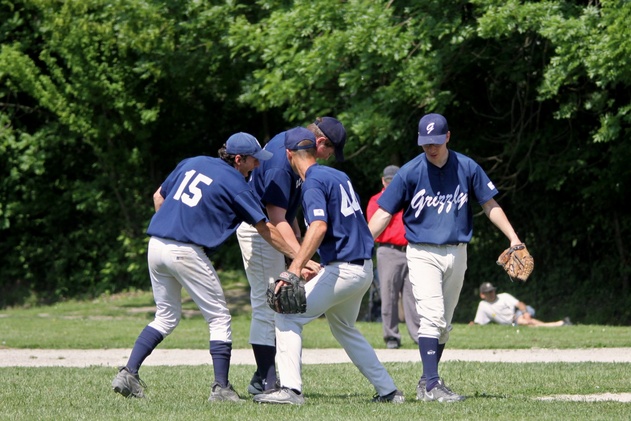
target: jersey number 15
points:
(196, 193)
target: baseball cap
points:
(389, 172)
(335, 132)
(245, 144)
(295, 136)
(487, 287)
(432, 129)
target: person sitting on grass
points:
(505, 309)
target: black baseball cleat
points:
(392, 343)
(394, 397)
(256, 385)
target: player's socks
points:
(441, 348)
(146, 342)
(428, 348)
(265, 356)
(220, 352)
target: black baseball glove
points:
(288, 299)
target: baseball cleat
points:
(256, 384)
(127, 384)
(394, 397)
(283, 395)
(393, 343)
(442, 393)
(420, 389)
(223, 394)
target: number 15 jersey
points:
(205, 200)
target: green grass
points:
(502, 391)
(334, 392)
(115, 321)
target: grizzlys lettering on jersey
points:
(440, 201)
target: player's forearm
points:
(158, 200)
(290, 232)
(288, 235)
(313, 238)
(296, 228)
(497, 216)
(379, 222)
(273, 236)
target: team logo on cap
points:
(430, 127)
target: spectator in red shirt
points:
(392, 270)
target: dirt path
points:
(116, 357)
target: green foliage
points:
(101, 101)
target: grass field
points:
(499, 391)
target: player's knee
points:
(165, 326)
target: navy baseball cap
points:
(432, 130)
(297, 135)
(486, 287)
(335, 132)
(245, 144)
(389, 172)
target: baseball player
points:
(392, 267)
(435, 191)
(279, 189)
(199, 205)
(505, 309)
(338, 230)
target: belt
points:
(392, 246)
(441, 245)
(359, 262)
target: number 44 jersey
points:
(328, 195)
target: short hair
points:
(225, 156)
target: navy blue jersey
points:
(328, 195)
(275, 182)
(436, 202)
(205, 199)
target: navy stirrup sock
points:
(265, 356)
(428, 347)
(146, 342)
(221, 352)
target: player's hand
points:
(308, 274)
(313, 266)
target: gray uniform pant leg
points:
(394, 282)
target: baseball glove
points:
(287, 299)
(517, 262)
